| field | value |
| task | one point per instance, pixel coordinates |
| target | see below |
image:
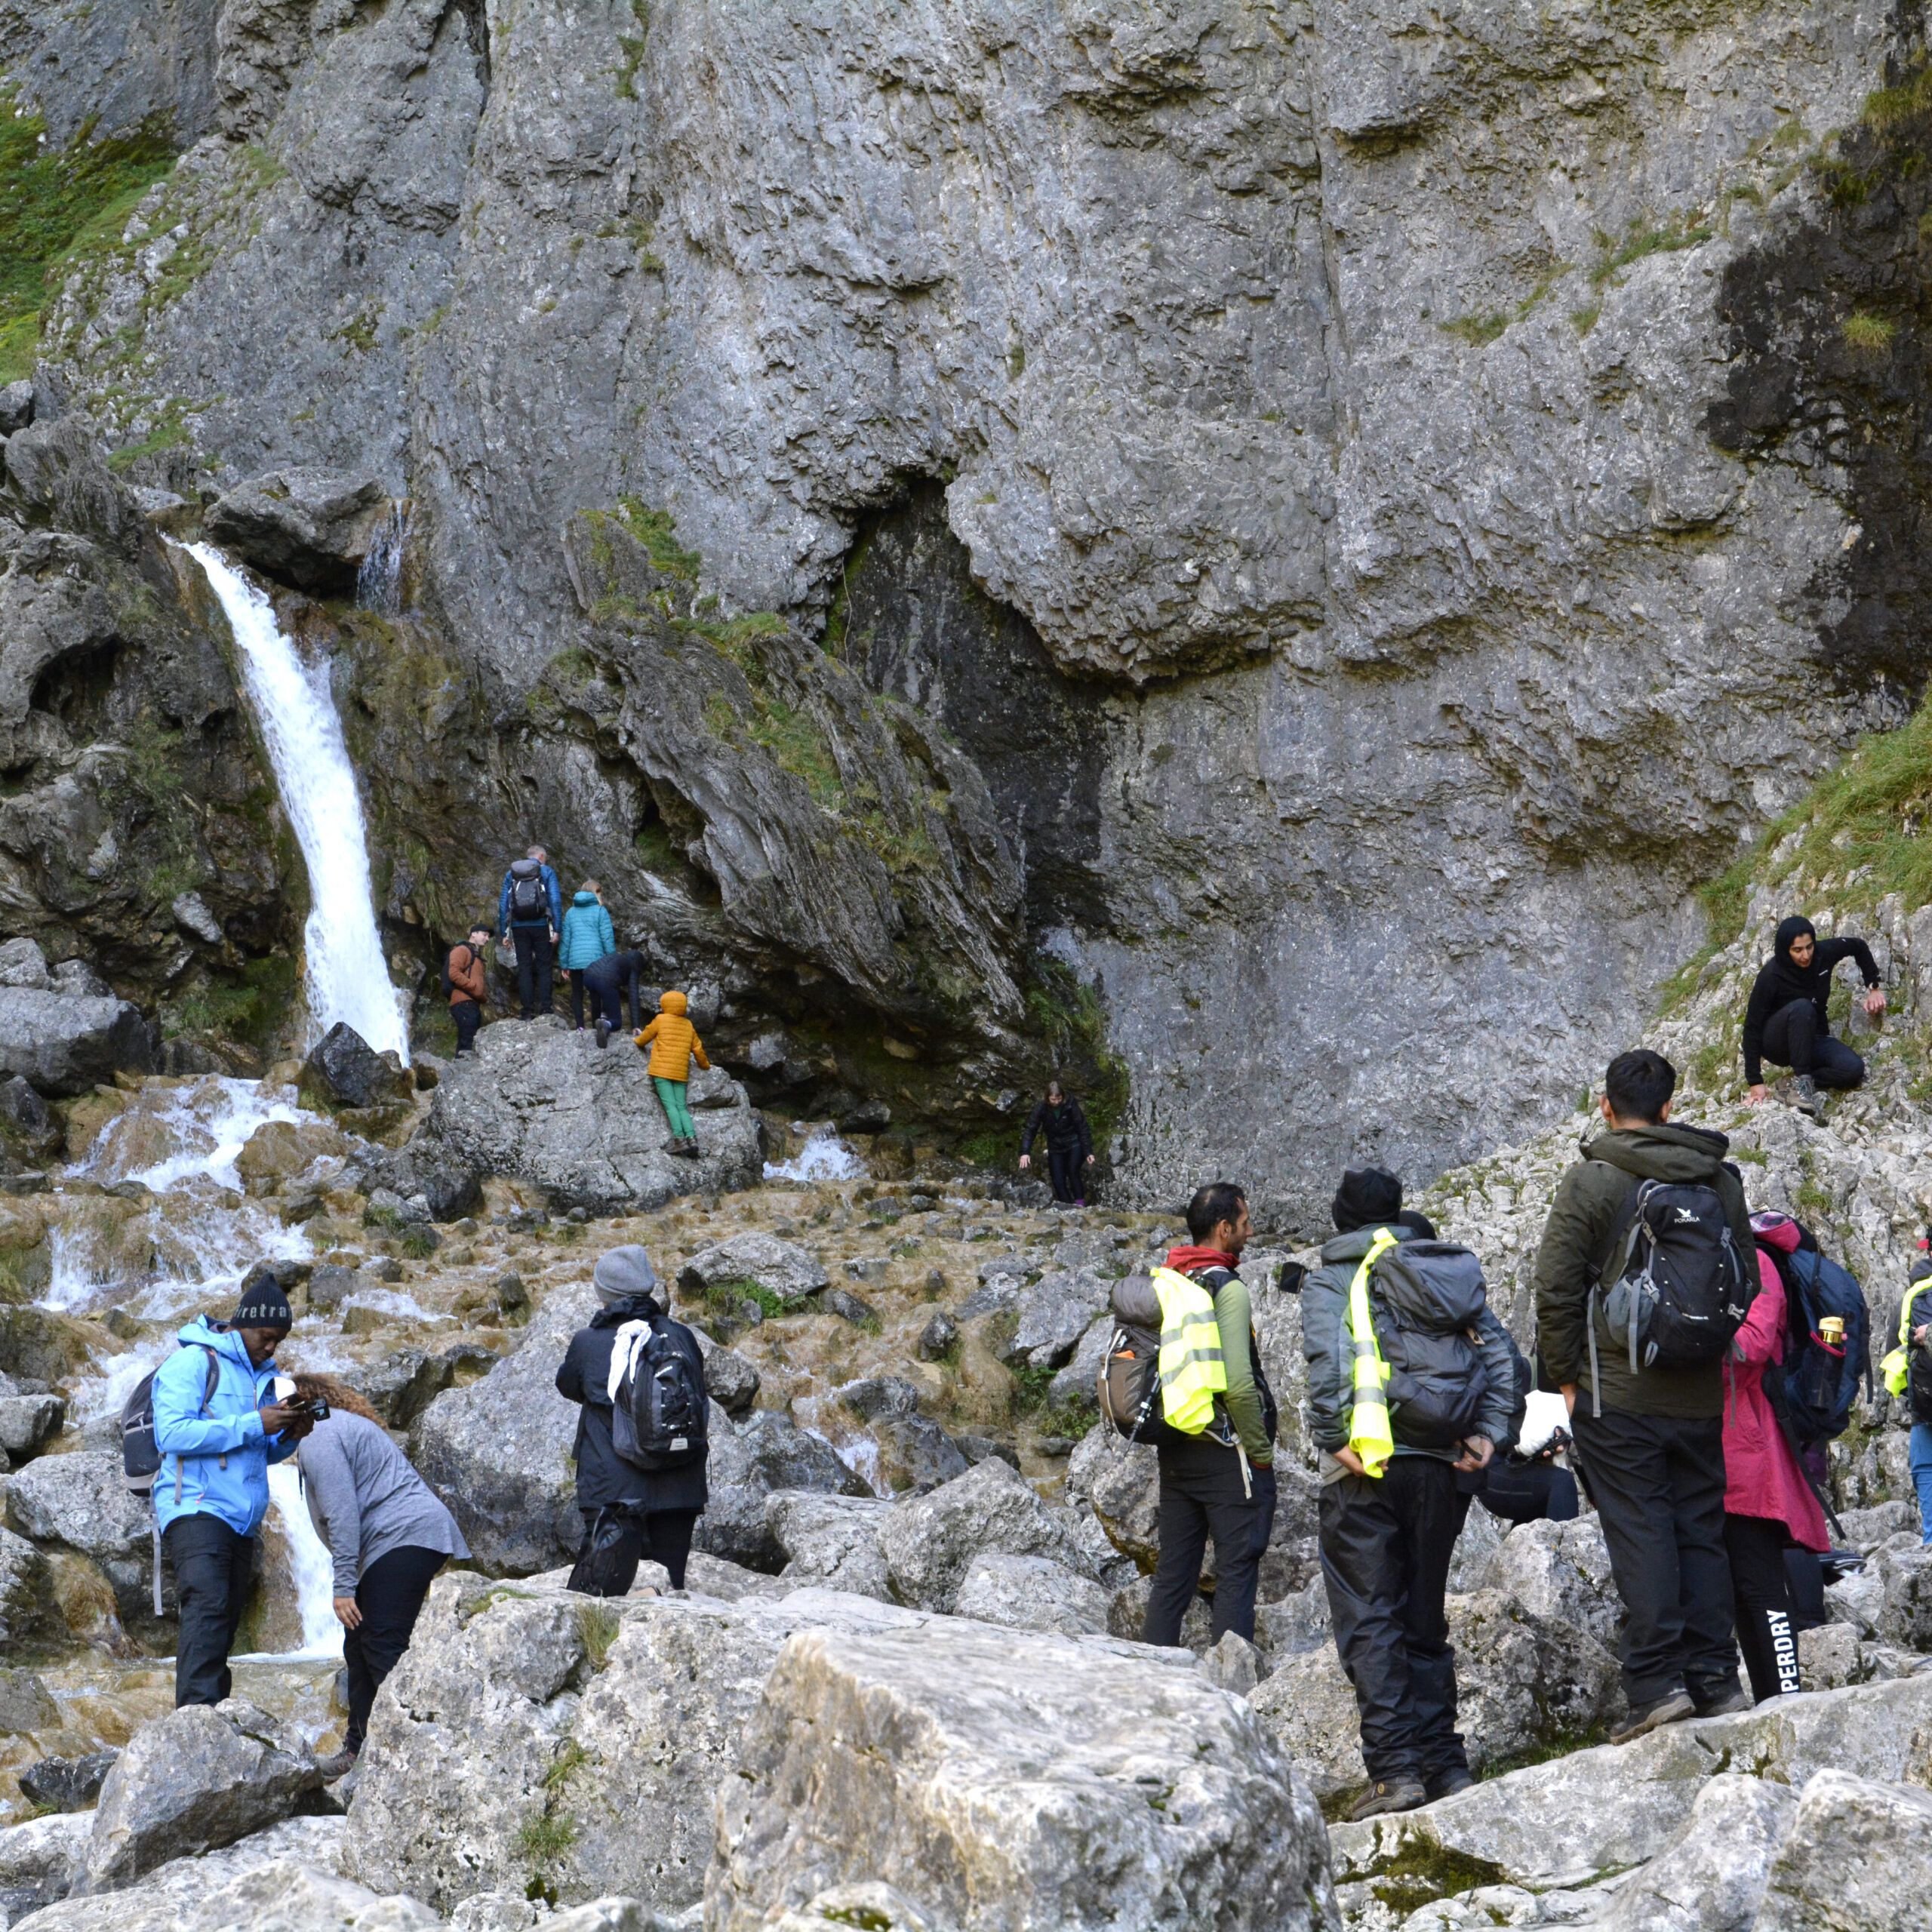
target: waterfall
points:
(348, 978)
(379, 582)
(312, 1572)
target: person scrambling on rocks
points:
(611, 981)
(1412, 1384)
(218, 1424)
(1215, 1443)
(1788, 1019)
(1640, 1283)
(465, 975)
(529, 911)
(1069, 1145)
(641, 1437)
(588, 936)
(387, 1533)
(674, 1044)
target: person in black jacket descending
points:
(1069, 1146)
(652, 1513)
(1787, 1019)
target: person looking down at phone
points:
(388, 1534)
(218, 1424)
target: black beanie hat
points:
(1366, 1197)
(263, 1305)
(1796, 927)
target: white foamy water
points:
(348, 978)
(309, 1563)
(195, 1132)
(823, 1157)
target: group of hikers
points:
(543, 935)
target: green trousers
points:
(671, 1093)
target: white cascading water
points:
(823, 1157)
(313, 1574)
(348, 977)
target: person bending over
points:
(609, 981)
(1788, 1019)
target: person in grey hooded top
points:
(387, 1533)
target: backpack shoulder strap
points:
(1617, 1247)
(214, 1375)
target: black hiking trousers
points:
(389, 1595)
(1385, 1546)
(535, 956)
(1767, 1630)
(1658, 1484)
(1068, 1170)
(1794, 1038)
(1202, 1496)
(214, 1569)
(617, 1538)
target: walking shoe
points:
(603, 1032)
(1388, 1794)
(1672, 1708)
(1805, 1100)
(1728, 1703)
(1450, 1783)
(691, 1150)
(335, 1765)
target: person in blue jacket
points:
(589, 936)
(218, 1426)
(530, 913)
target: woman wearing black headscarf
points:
(1788, 1020)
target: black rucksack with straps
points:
(1425, 1298)
(1674, 1290)
(659, 1414)
(1828, 1337)
(527, 903)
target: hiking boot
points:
(1450, 1782)
(1728, 1702)
(1804, 1096)
(603, 1032)
(690, 1150)
(1388, 1794)
(335, 1765)
(1672, 1708)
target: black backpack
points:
(1425, 1298)
(1820, 1376)
(140, 1456)
(659, 1419)
(527, 903)
(1675, 1288)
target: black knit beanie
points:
(1367, 1197)
(263, 1305)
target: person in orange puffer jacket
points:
(674, 1044)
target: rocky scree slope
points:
(1437, 484)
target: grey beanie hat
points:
(623, 1272)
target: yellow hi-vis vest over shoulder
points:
(1368, 1421)
(1896, 1368)
(1192, 1371)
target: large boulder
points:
(930, 1543)
(730, 1379)
(28, 1423)
(37, 1861)
(80, 1502)
(1054, 1314)
(64, 1044)
(534, 1740)
(1003, 1780)
(1859, 1853)
(310, 527)
(1711, 1876)
(537, 1103)
(1032, 1593)
(1557, 1573)
(200, 1777)
(830, 1541)
(28, 1606)
(781, 1268)
(342, 1070)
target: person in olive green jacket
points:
(1651, 1443)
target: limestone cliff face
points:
(1386, 496)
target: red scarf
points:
(1188, 1260)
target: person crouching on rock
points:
(217, 1426)
(468, 987)
(674, 1044)
(1788, 1019)
(609, 982)
(387, 1533)
(631, 1513)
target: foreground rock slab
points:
(1011, 1781)
(1859, 1853)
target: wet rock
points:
(786, 1456)
(929, 1543)
(1859, 1853)
(831, 1542)
(65, 1045)
(1054, 1314)
(279, 1150)
(331, 1285)
(25, 1704)
(42, 1345)
(37, 1860)
(80, 1503)
(915, 1453)
(67, 1784)
(849, 1307)
(186, 1783)
(513, 1297)
(878, 1396)
(730, 1379)
(24, 1113)
(28, 1606)
(781, 1268)
(1710, 1877)
(342, 1070)
(1032, 1593)
(938, 1338)
(310, 527)
(449, 1187)
(1064, 1748)
(28, 1423)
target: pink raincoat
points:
(1761, 1476)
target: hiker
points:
(1215, 1449)
(1909, 1375)
(1069, 1146)
(674, 1044)
(609, 982)
(1651, 1439)
(218, 1424)
(387, 1534)
(588, 935)
(529, 911)
(1788, 1019)
(1769, 1504)
(464, 975)
(1393, 1499)
(629, 1512)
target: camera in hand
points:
(314, 1408)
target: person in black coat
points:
(1069, 1146)
(1789, 1021)
(628, 1513)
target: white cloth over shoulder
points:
(625, 1347)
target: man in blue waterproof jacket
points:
(218, 1426)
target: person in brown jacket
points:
(468, 987)
(674, 1044)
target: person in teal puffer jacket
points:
(589, 936)
(218, 1426)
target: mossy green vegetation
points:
(1867, 334)
(53, 199)
(1645, 238)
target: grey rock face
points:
(37, 1860)
(79, 1501)
(65, 1045)
(930, 1543)
(67, 1784)
(781, 1268)
(27, 1606)
(1032, 1593)
(1858, 1851)
(831, 1542)
(310, 527)
(1061, 1746)
(1054, 1314)
(188, 1783)
(1711, 1876)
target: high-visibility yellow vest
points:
(1896, 1368)
(1369, 1436)
(1192, 1371)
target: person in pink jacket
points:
(1768, 1505)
